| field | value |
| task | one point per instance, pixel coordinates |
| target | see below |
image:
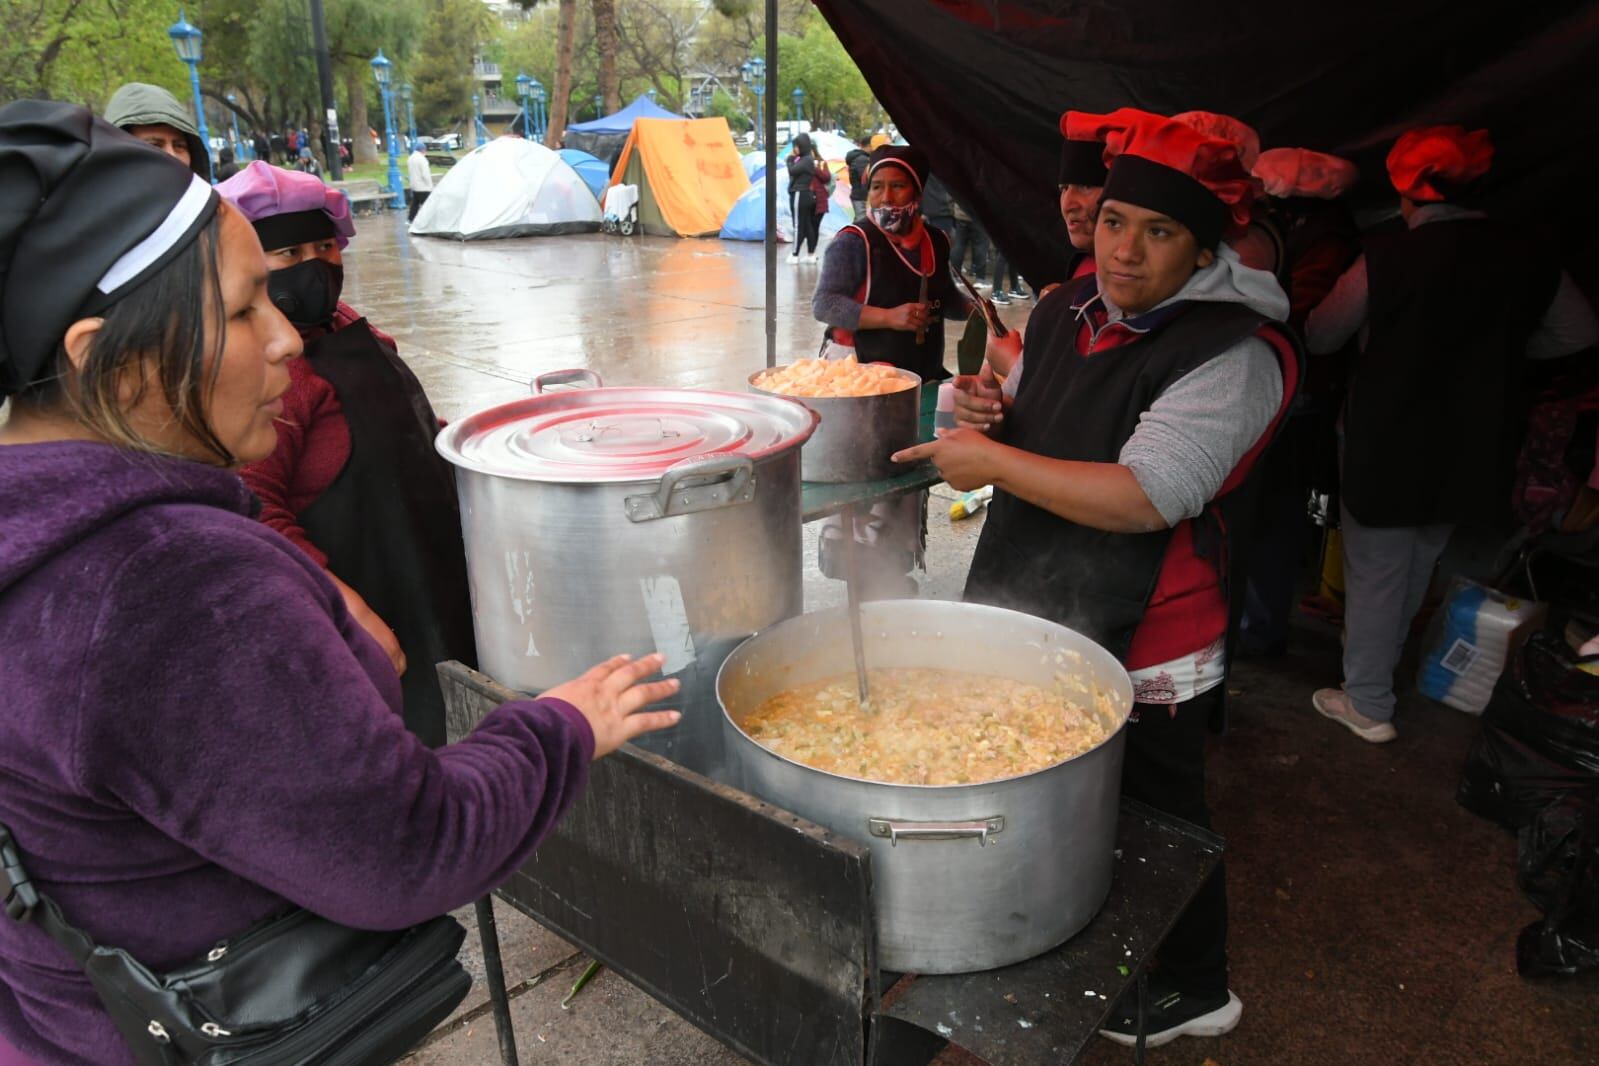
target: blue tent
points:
(747, 220)
(603, 137)
(622, 121)
(595, 174)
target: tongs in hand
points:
(984, 304)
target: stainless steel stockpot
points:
(964, 877)
(858, 433)
(607, 520)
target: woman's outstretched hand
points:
(609, 696)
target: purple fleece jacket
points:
(194, 734)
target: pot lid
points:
(621, 434)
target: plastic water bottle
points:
(944, 413)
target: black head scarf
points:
(87, 213)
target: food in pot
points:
(829, 378)
(927, 727)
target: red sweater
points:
(313, 445)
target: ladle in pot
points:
(852, 585)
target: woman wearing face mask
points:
(195, 734)
(354, 480)
(885, 287)
(884, 292)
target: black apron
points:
(891, 283)
(1429, 416)
(390, 523)
(1071, 406)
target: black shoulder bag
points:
(293, 990)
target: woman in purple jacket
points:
(195, 734)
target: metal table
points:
(757, 925)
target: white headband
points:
(138, 259)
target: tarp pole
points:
(770, 120)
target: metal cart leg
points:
(1138, 1044)
(499, 1001)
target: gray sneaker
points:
(1334, 703)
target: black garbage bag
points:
(1558, 868)
(1540, 736)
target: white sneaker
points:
(1334, 703)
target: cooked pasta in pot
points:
(926, 727)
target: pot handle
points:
(895, 830)
(703, 483)
(542, 384)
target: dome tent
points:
(508, 187)
(747, 220)
(595, 174)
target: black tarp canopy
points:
(980, 85)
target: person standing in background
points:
(154, 115)
(1427, 419)
(421, 177)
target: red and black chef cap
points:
(1167, 166)
(1436, 163)
(1241, 134)
(87, 214)
(909, 159)
(1082, 153)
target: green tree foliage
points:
(738, 120)
(836, 94)
(441, 74)
(82, 50)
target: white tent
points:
(509, 187)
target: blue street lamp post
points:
(239, 146)
(383, 70)
(799, 104)
(477, 122)
(186, 39)
(754, 73)
(410, 111)
(522, 82)
(540, 120)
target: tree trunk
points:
(605, 38)
(561, 96)
(355, 87)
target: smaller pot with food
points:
(869, 411)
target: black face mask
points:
(308, 292)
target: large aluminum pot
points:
(964, 877)
(634, 520)
(858, 433)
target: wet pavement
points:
(1373, 920)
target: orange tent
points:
(687, 171)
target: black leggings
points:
(808, 224)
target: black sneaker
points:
(1169, 1014)
(999, 297)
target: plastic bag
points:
(1558, 868)
(1469, 642)
(1539, 739)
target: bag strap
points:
(25, 903)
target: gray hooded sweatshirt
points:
(1181, 453)
(138, 104)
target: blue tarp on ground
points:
(747, 220)
(622, 121)
(595, 174)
